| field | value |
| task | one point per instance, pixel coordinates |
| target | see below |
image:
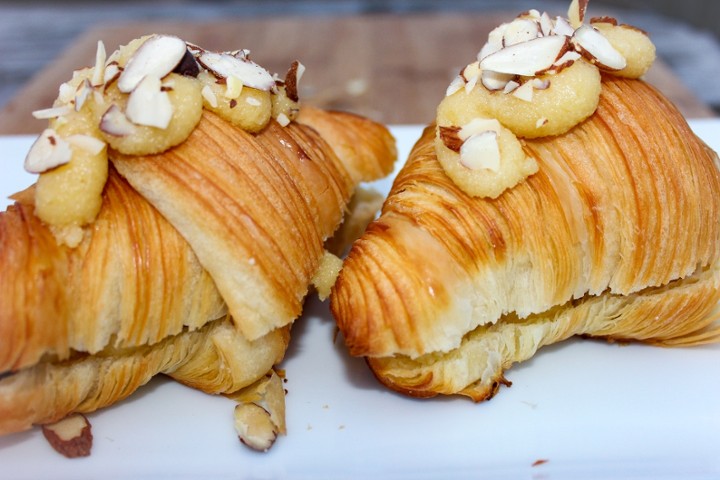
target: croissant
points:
(195, 265)
(615, 236)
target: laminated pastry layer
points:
(132, 281)
(87, 326)
(627, 200)
(256, 209)
(681, 313)
(214, 359)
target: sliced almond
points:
(254, 426)
(470, 71)
(71, 436)
(83, 92)
(47, 152)
(510, 86)
(520, 30)
(532, 14)
(524, 92)
(450, 137)
(66, 92)
(494, 43)
(527, 58)
(86, 142)
(489, 49)
(597, 49)
(478, 125)
(283, 120)
(494, 80)
(457, 83)
(576, 12)
(567, 59)
(605, 19)
(540, 83)
(472, 81)
(208, 94)
(292, 79)
(481, 151)
(242, 54)
(223, 65)
(112, 72)
(115, 123)
(546, 24)
(156, 57)
(563, 27)
(52, 112)
(99, 71)
(233, 87)
(149, 105)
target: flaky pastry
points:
(204, 231)
(615, 235)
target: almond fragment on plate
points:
(71, 436)
(260, 413)
(254, 426)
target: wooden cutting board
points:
(392, 68)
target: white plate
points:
(591, 409)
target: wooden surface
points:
(392, 68)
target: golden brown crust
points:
(33, 267)
(681, 312)
(255, 210)
(214, 359)
(358, 146)
(139, 295)
(627, 201)
(124, 292)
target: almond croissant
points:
(195, 266)
(615, 236)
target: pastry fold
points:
(616, 236)
(196, 266)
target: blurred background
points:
(34, 33)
